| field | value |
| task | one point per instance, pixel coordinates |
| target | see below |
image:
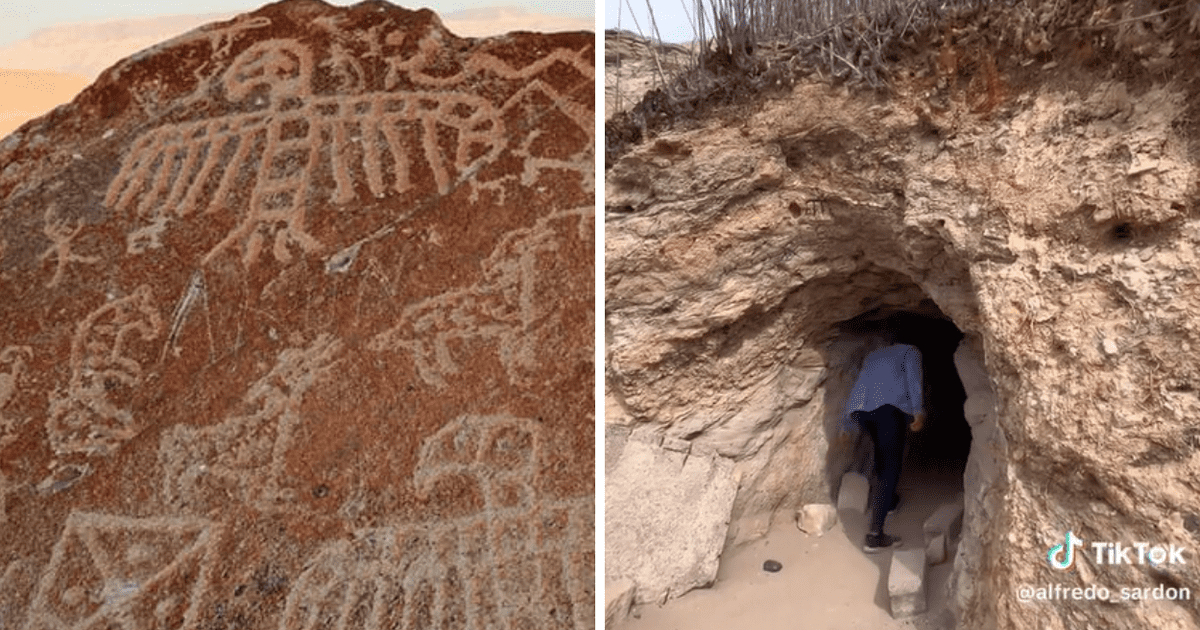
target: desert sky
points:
(51, 50)
(671, 21)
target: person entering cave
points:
(885, 399)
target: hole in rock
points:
(1122, 231)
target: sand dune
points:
(497, 20)
(56, 63)
(88, 48)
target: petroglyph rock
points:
(298, 332)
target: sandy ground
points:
(827, 582)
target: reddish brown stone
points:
(297, 331)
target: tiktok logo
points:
(1062, 556)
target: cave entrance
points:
(943, 446)
(936, 458)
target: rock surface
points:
(1055, 221)
(634, 65)
(298, 332)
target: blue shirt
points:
(891, 375)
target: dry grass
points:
(748, 47)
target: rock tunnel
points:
(1045, 253)
(739, 312)
(766, 392)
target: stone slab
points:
(853, 493)
(906, 583)
(618, 600)
(299, 306)
(935, 550)
(946, 519)
(666, 515)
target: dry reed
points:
(746, 47)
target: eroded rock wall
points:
(1058, 231)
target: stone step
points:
(853, 493)
(906, 583)
(946, 520)
(936, 549)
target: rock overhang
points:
(989, 216)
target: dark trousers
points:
(886, 426)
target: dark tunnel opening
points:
(945, 441)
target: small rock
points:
(946, 519)
(816, 518)
(1101, 215)
(772, 566)
(618, 601)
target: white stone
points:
(666, 515)
(935, 550)
(946, 520)
(906, 583)
(816, 518)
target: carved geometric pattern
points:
(114, 571)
